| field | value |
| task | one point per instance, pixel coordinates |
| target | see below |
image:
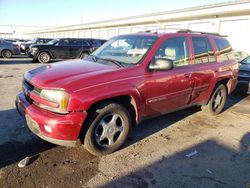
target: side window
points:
(202, 50)
(74, 42)
(40, 41)
(225, 50)
(64, 42)
(175, 49)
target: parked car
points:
(128, 79)
(244, 75)
(7, 49)
(25, 47)
(65, 48)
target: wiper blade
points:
(118, 63)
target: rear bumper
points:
(16, 51)
(55, 128)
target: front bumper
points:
(243, 77)
(32, 53)
(55, 128)
(243, 86)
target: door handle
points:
(187, 75)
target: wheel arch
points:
(125, 100)
(47, 51)
(6, 49)
(224, 81)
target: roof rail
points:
(181, 30)
(200, 32)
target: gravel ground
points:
(153, 156)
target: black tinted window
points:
(202, 50)
(64, 42)
(175, 49)
(75, 42)
(40, 41)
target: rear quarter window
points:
(225, 50)
(202, 50)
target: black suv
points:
(24, 48)
(64, 48)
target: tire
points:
(109, 127)
(6, 54)
(217, 101)
(27, 51)
(83, 55)
(44, 57)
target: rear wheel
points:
(83, 55)
(6, 54)
(44, 57)
(217, 101)
(109, 128)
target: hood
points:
(69, 75)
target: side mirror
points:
(162, 64)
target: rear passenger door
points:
(203, 68)
(61, 49)
(171, 89)
(74, 48)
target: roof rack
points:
(181, 30)
(200, 32)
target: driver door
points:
(171, 89)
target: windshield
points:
(246, 61)
(128, 49)
(53, 41)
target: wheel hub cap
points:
(109, 129)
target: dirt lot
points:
(154, 155)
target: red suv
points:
(128, 79)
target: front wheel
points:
(109, 128)
(44, 57)
(217, 101)
(27, 51)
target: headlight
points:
(32, 50)
(58, 97)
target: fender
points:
(87, 99)
(219, 76)
(48, 51)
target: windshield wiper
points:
(118, 63)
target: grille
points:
(27, 88)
